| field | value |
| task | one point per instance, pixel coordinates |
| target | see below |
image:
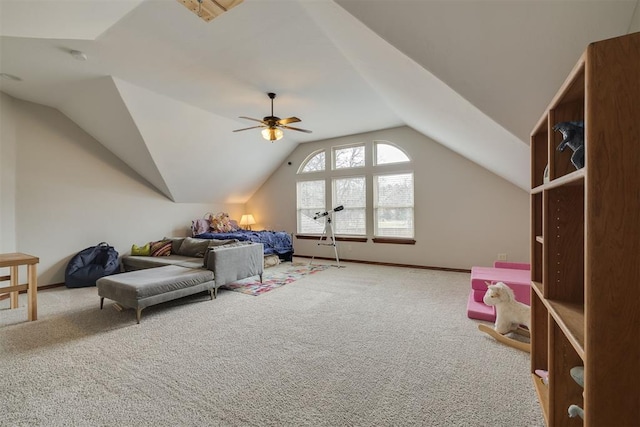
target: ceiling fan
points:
(272, 125)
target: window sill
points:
(390, 240)
(338, 238)
(394, 240)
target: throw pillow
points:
(161, 248)
(193, 247)
(199, 226)
(141, 250)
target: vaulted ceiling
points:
(163, 90)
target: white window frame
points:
(304, 215)
(369, 170)
(362, 145)
(341, 216)
(308, 159)
(376, 206)
(377, 143)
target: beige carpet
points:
(357, 346)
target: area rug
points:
(273, 279)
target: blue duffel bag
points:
(90, 264)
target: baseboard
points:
(390, 264)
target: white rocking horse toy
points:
(510, 316)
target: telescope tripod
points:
(324, 240)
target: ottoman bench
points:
(142, 288)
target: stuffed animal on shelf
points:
(572, 137)
(576, 411)
(577, 373)
(510, 314)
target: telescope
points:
(320, 215)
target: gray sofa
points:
(229, 260)
(194, 265)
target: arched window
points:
(386, 153)
(315, 162)
(386, 212)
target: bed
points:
(275, 242)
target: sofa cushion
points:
(175, 243)
(215, 242)
(131, 263)
(193, 247)
(232, 243)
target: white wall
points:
(62, 191)
(635, 20)
(7, 175)
(464, 214)
(71, 193)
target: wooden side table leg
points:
(32, 291)
(14, 282)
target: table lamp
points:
(247, 221)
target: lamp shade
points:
(272, 133)
(247, 221)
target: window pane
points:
(393, 205)
(348, 157)
(310, 199)
(387, 153)
(315, 163)
(350, 193)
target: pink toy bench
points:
(515, 275)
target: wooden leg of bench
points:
(138, 314)
(101, 302)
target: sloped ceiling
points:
(163, 89)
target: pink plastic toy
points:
(516, 275)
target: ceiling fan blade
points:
(288, 120)
(255, 120)
(252, 127)
(298, 129)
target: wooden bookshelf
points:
(585, 242)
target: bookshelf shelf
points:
(585, 249)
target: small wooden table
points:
(13, 261)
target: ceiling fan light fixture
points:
(271, 125)
(272, 133)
